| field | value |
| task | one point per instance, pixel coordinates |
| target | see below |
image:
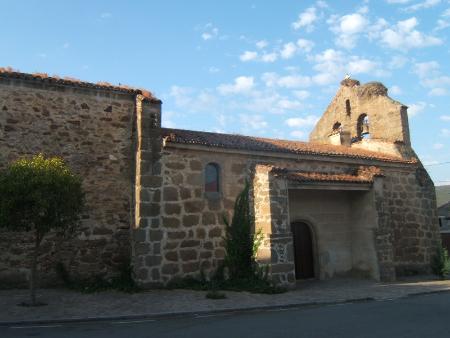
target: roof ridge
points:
(9, 72)
(233, 141)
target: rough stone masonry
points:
(354, 201)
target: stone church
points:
(354, 201)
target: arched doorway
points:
(303, 250)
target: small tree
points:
(38, 195)
(441, 262)
(238, 240)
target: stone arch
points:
(362, 126)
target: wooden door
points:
(303, 250)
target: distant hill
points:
(442, 194)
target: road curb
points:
(182, 314)
(186, 314)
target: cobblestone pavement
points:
(69, 305)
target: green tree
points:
(239, 240)
(38, 195)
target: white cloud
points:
(395, 90)
(288, 50)
(436, 81)
(269, 57)
(321, 4)
(286, 104)
(438, 146)
(192, 100)
(445, 132)
(301, 94)
(445, 118)
(298, 134)
(288, 81)
(359, 66)
(262, 44)
(105, 15)
(416, 108)
(255, 122)
(306, 19)
(300, 122)
(397, 1)
(241, 85)
(305, 45)
(404, 36)
(209, 32)
(426, 69)
(397, 61)
(348, 28)
(438, 92)
(422, 5)
(248, 56)
(213, 69)
(66, 45)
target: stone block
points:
(190, 243)
(149, 209)
(155, 235)
(185, 193)
(170, 194)
(194, 206)
(190, 220)
(175, 165)
(171, 256)
(188, 254)
(194, 179)
(209, 218)
(140, 235)
(195, 165)
(153, 260)
(191, 267)
(170, 269)
(172, 208)
(176, 234)
(170, 222)
(215, 232)
(151, 181)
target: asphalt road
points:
(419, 316)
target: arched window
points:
(362, 127)
(348, 108)
(212, 178)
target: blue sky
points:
(266, 68)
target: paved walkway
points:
(65, 305)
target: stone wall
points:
(92, 130)
(408, 226)
(351, 101)
(190, 229)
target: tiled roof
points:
(363, 174)
(319, 177)
(11, 73)
(240, 142)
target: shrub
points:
(441, 262)
(239, 244)
(38, 195)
